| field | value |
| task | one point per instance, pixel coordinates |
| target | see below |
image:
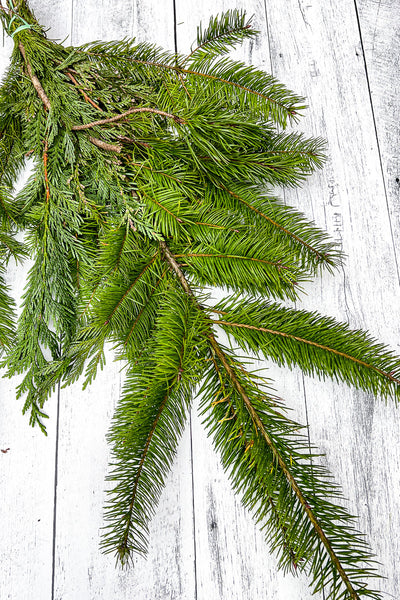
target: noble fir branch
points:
(151, 180)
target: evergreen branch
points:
(123, 546)
(244, 88)
(283, 466)
(246, 264)
(119, 301)
(237, 76)
(234, 84)
(223, 32)
(45, 173)
(7, 316)
(321, 256)
(249, 79)
(145, 308)
(131, 287)
(111, 265)
(4, 208)
(228, 257)
(304, 341)
(279, 458)
(14, 248)
(268, 461)
(163, 207)
(150, 420)
(319, 345)
(12, 158)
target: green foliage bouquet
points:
(152, 178)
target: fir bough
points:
(151, 182)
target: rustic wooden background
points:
(343, 55)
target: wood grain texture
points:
(343, 56)
(380, 34)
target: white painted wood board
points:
(203, 544)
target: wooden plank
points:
(60, 17)
(379, 24)
(316, 47)
(379, 29)
(104, 20)
(81, 570)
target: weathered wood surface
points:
(344, 57)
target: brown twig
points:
(84, 94)
(105, 145)
(35, 81)
(131, 111)
(184, 86)
(175, 267)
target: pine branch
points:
(150, 420)
(360, 553)
(319, 345)
(268, 464)
(223, 32)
